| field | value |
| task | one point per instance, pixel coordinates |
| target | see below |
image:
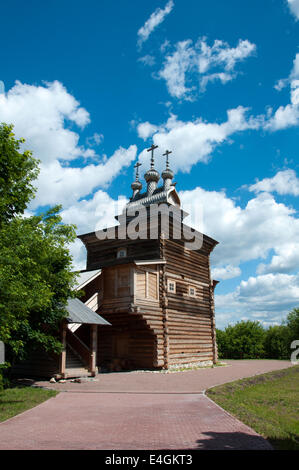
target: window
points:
(123, 282)
(146, 284)
(171, 286)
(121, 253)
(192, 291)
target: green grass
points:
(18, 399)
(268, 403)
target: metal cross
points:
(151, 149)
(137, 165)
(167, 153)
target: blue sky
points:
(91, 85)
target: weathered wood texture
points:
(151, 325)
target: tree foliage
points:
(249, 340)
(35, 280)
(36, 275)
(17, 171)
(243, 341)
(277, 343)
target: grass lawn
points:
(268, 403)
(17, 399)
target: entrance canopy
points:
(78, 312)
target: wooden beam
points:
(94, 342)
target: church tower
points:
(154, 289)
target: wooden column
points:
(93, 342)
(213, 323)
(62, 364)
(164, 305)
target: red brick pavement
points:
(193, 381)
(138, 411)
(128, 421)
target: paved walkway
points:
(193, 381)
(140, 411)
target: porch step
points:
(77, 372)
(72, 360)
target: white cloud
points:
(78, 253)
(280, 84)
(267, 298)
(287, 116)
(226, 272)
(90, 215)
(95, 213)
(65, 185)
(146, 130)
(147, 60)
(284, 182)
(42, 115)
(175, 68)
(156, 18)
(223, 77)
(294, 7)
(187, 60)
(39, 114)
(194, 141)
(254, 232)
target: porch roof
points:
(78, 312)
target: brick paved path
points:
(127, 421)
(180, 382)
(172, 415)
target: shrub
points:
(221, 343)
(277, 343)
(245, 340)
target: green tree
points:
(277, 344)
(36, 275)
(292, 323)
(35, 281)
(17, 171)
(245, 340)
(221, 343)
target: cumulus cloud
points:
(156, 18)
(266, 298)
(175, 68)
(58, 184)
(294, 7)
(262, 227)
(89, 215)
(211, 63)
(262, 230)
(146, 130)
(39, 114)
(95, 213)
(194, 141)
(287, 116)
(226, 272)
(43, 115)
(284, 182)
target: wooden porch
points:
(78, 357)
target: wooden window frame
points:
(171, 281)
(189, 291)
(119, 251)
(146, 271)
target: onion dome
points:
(152, 176)
(136, 185)
(167, 174)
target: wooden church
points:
(148, 295)
(156, 292)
